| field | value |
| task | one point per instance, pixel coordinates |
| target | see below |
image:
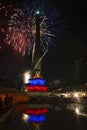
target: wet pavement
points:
(50, 116)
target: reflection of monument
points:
(36, 115)
(37, 83)
(37, 126)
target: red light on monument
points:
(37, 88)
(37, 111)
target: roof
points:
(4, 89)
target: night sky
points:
(73, 45)
(59, 63)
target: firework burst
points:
(5, 10)
(19, 31)
(22, 27)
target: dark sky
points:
(59, 63)
(73, 47)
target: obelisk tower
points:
(37, 54)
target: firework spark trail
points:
(21, 31)
(22, 27)
(19, 35)
(18, 27)
(5, 10)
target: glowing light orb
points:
(77, 111)
(27, 76)
(37, 12)
(76, 95)
(25, 117)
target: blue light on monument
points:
(37, 118)
(37, 81)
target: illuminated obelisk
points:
(37, 83)
(37, 55)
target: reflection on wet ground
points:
(54, 115)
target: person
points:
(0, 104)
(6, 101)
